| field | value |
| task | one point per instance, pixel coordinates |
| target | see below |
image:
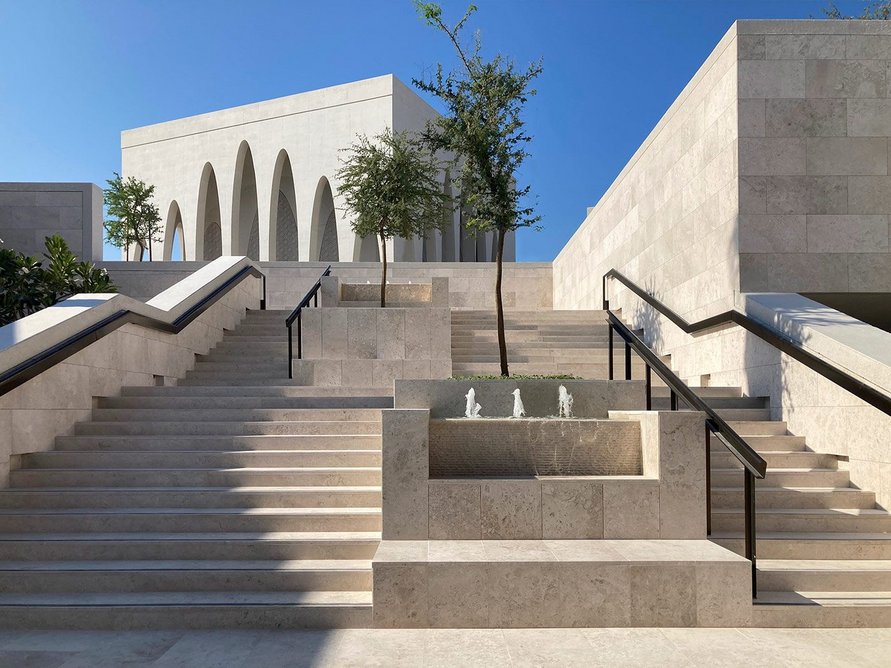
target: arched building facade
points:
(260, 180)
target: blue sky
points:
(74, 74)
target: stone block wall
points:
(30, 212)
(667, 501)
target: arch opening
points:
(369, 250)
(448, 222)
(209, 241)
(174, 241)
(324, 225)
(283, 237)
(245, 214)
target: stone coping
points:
(574, 551)
(855, 346)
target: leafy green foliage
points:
(880, 10)
(391, 185)
(483, 129)
(132, 217)
(26, 286)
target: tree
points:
(391, 185)
(880, 10)
(484, 131)
(26, 286)
(133, 218)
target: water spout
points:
(565, 403)
(472, 409)
(519, 410)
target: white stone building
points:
(260, 179)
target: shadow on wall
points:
(648, 318)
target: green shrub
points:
(26, 286)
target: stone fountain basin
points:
(483, 447)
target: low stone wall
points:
(536, 447)
(592, 399)
(403, 293)
(372, 347)
(666, 501)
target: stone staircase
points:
(538, 343)
(235, 498)
(823, 547)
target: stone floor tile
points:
(380, 647)
(32, 659)
(633, 647)
(548, 647)
(209, 649)
(466, 647)
(295, 649)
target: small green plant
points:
(26, 286)
(556, 376)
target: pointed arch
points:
(245, 214)
(283, 211)
(173, 234)
(323, 231)
(369, 250)
(208, 232)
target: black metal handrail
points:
(754, 466)
(31, 367)
(312, 294)
(793, 349)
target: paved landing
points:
(447, 647)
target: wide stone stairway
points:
(236, 498)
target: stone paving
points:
(449, 647)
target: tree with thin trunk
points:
(132, 216)
(484, 131)
(391, 185)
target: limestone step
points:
(331, 427)
(663, 402)
(759, 427)
(243, 366)
(195, 442)
(837, 575)
(792, 497)
(811, 545)
(234, 402)
(188, 520)
(236, 414)
(160, 477)
(763, 444)
(42, 577)
(707, 392)
(318, 496)
(847, 520)
(234, 380)
(268, 338)
(819, 609)
(796, 459)
(285, 389)
(187, 610)
(784, 478)
(74, 459)
(189, 546)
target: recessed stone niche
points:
(534, 447)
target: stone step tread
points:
(817, 512)
(806, 535)
(238, 512)
(250, 469)
(825, 599)
(333, 537)
(825, 565)
(202, 598)
(316, 489)
(189, 565)
(780, 470)
(255, 390)
(808, 490)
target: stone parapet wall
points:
(534, 447)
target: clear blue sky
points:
(74, 74)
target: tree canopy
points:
(391, 185)
(132, 216)
(880, 10)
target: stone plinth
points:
(533, 447)
(559, 583)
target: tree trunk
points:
(499, 306)
(150, 250)
(383, 272)
(126, 252)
